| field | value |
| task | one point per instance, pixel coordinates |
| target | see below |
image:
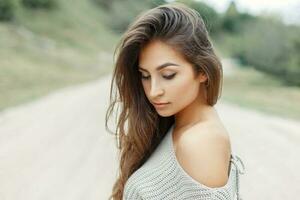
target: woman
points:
(168, 79)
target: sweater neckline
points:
(173, 154)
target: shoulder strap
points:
(237, 161)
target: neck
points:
(198, 111)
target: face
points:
(168, 78)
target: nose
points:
(156, 89)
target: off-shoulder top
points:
(161, 177)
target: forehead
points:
(156, 53)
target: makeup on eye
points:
(168, 77)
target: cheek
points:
(146, 87)
(184, 91)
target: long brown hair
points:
(139, 128)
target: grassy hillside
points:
(42, 51)
(251, 88)
(45, 50)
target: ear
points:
(202, 77)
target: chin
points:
(164, 113)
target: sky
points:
(288, 10)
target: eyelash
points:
(166, 77)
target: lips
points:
(160, 103)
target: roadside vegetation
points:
(50, 44)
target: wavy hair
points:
(139, 128)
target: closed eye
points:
(165, 77)
(170, 76)
(143, 77)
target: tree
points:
(7, 8)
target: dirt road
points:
(56, 148)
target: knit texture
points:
(162, 177)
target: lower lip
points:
(161, 105)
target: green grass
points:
(42, 51)
(254, 89)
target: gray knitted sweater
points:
(162, 177)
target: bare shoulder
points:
(204, 152)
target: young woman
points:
(172, 142)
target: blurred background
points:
(49, 44)
(56, 58)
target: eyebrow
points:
(162, 66)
